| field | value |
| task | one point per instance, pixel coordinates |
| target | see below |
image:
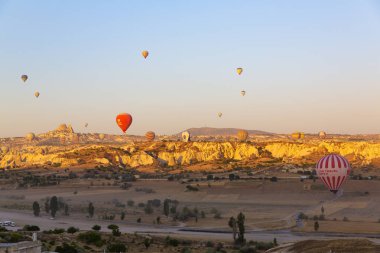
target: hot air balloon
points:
(239, 71)
(242, 135)
(220, 114)
(24, 78)
(145, 53)
(30, 136)
(322, 134)
(36, 94)
(86, 125)
(101, 136)
(242, 93)
(302, 135)
(333, 170)
(186, 136)
(150, 135)
(124, 121)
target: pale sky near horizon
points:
(308, 65)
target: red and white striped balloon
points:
(333, 170)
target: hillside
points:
(210, 131)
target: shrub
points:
(116, 232)
(345, 218)
(96, 227)
(90, 237)
(171, 241)
(191, 188)
(66, 248)
(72, 230)
(273, 179)
(130, 203)
(113, 226)
(117, 247)
(210, 244)
(31, 228)
(138, 220)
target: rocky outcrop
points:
(171, 153)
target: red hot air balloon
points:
(124, 121)
(333, 170)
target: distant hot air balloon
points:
(30, 136)
(242, 135)
(322, 134)
(24, 78)
(239, 71)
(220, 114)
(302, 135)
(101, 136)
(36, 94)
(124, 121)
(145, 53)
(86, 125)
(186, 136)
(333, 170)
(298, 135)
(242, 93)
(150, 136)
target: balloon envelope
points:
(242, 93)
(145, 53)
(150, 136)
(101, 136)
(333, 170)
(124, 121)
(322, 134)
(86, 125)
(220, 114)
(239, 71)
(36, 94)
(24, 78)
(185, 136)
(30, 136)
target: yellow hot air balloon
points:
(36, 94)
(220, 114)
(242, 135)
(242, 93)
(239, 71)
(322, 134)
(150, 136)
(186, 136)
(4, 149)
(24, 78)
(302, 135)
(101, 136)
(145, 53)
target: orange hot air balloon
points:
(145, 53)
(150, 136)
(124, 121)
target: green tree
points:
(53, 206)
(148, 209)
(166, 207)
(36, 208)
(240, 223)
(91, 210)
(122, 215)
(232, 224)
(158, 220)
(316, 226)
(322, 210)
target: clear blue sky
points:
(308, 65)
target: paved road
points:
(282, 236)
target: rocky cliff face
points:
(178, 153)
